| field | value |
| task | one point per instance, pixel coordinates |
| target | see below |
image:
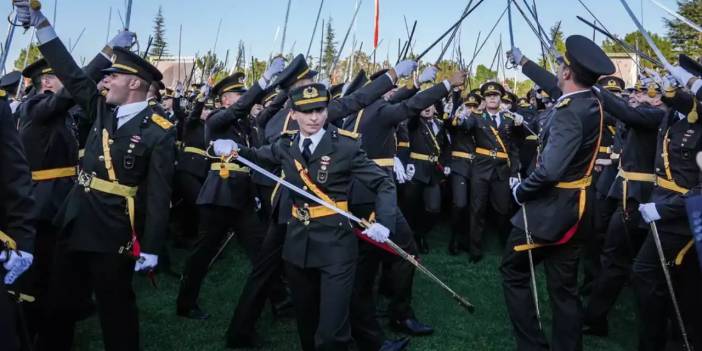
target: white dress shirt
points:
(316, 138)
(126, 112)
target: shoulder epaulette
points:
(161, 122)
(508, 115)
(563, 103)
(349, 134)
(152, 103)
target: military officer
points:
(16, 224)
(497, 134)
(554, 197)
(226, 198)
(118, 210)
(320, 249)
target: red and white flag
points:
(377, 26)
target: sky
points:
(257, 21)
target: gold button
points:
(110, 141)
(129, 151)
(86, 189)
(304, 188)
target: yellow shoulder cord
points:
(433, 139)
(582, 197)
(358, 121)
(276, 188)
(287, 121)
(311, 185)
(502, 145)
(8, 242)
(113, 178)
(669, 174)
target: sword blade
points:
(645, 34)
(678, 16)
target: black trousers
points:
(365, 327)
(109, 275)
(561, 265)
(322, 296)
(215, 222)
(188, 187)
(423, 204)
(655, 305)
(8, 328)
(622, 243)
(592, 265)
(483, 192)
(460, 191)
(264, 282)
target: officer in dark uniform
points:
(8, 85)
(48, 133)
(193, 164)
(118, 210)
(497, 134)
(554, 197)
(633, 185)
(258, 285)
(677, 177)
(377, 124)
(16, 224)
(462, 155)
(427, 167)
(320, 249)
(227, 197)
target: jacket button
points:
(101, 158)
(110, 141)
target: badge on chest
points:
(323, 172)
(129, 159)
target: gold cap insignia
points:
(310, 92)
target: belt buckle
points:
(303, 214)
(84, 179)
(493, 153)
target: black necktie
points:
(306, 153)
(494, 120)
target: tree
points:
(636, 39)
(158, 46)
(329, 47)
(34, 55)
(556, 34)
(210, 67)
(684, 38)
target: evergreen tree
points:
(22, 59)
(158, 46)
(329, 47)
(684, 38)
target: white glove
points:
(146, 262)
(179, 89)
(405, 68)
(399, 170)
(515, 56)
(428, 75)
(680, 74)
(205, 90)
(654, 76)
(16, 264)
(514, 194)
(513, 182)
(447, 171)
(325, 82)
(649, 213)
(518, 119)
(26, 15)
(276, 66)
(224, 147)
(123, 39)
(410, 171)
(377, 232)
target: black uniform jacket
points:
(424, 141)
(568, 145)
(377, 124)
(193, 129)
(143, 156)
(335, 161)
(15, 184)
(480, 126)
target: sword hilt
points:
(464, 303)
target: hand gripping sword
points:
(402, 253)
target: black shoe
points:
(596, 330)
(453, 248)
(244, 341)
(193, 313)
(475, 258)
(412, 327)
(395, 345)
(283, 309)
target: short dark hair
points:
(583, 77)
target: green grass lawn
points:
(488, 329)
